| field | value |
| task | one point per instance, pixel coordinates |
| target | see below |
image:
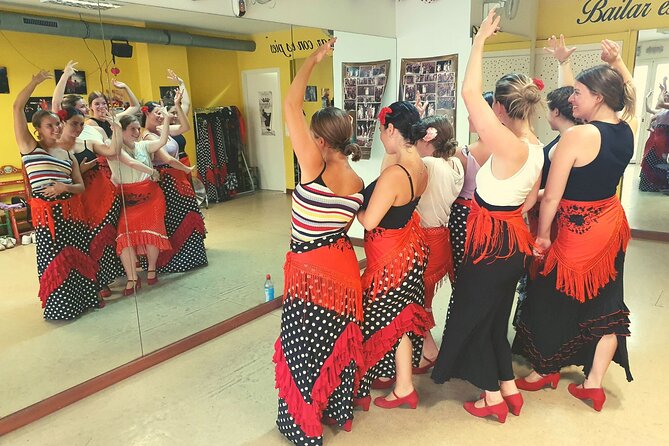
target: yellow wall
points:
(321, 77)
(214, 75)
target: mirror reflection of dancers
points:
(475, 345)
(183, 220)
(141, 229)
(57, 214)
(575, 312)
(396, 260)
(98, 103)
(174, 116)
(323, 300)
(656, 150)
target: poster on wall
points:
(4, 81)
(167, 95)
(434, 80)
(36, 103)
(364, 85)
(76, 84)
(265, 104)
(310, 94)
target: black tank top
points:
(599, 179)
(181, 140)
(397, 216)
(547, 161)
(87, 153)
(105, 126)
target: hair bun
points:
(354, 150)
(531, 93)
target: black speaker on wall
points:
(121, 49)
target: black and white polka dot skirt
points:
(184, 224)
(457, 224)
(313, 339)
(103, 246)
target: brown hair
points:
(519, 96)
(70, 100)
(96, 94)
(607, 82)
(444, 144)
(126, 120)
(39, 115)
(334, 126)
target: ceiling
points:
(652, 34)
(163, 16)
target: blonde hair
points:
(519, 95)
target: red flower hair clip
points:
(382, 114)
(144, 109)
(539, 83)
(62, 114)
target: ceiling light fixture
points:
(86, 4)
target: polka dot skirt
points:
(110, 264)
(457, 224)
(308, 336)
(77, 293)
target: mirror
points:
(239, 188)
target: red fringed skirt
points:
(142, 220)
(440, 263)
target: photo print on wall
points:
(434, 79)
(76, 84)
(364, 85)
(4, 81)
(311, 94)
(265, 105)
(36, 103)
(167, 95)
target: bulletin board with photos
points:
(364, 85)
(435, 79)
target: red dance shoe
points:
(551, 379)
(130, 291)
(379, 384)
(501, 410)
(105, 292)
(153, 280)
(362, 403)
(514, 402)
(423, 370)
(596, 395)
(411, 400)
(348, 425)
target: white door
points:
(264, 117)
(647, 76)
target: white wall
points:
(360, 48)
(436, 29)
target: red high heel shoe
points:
(514, 402)
(411, 400)
(423, 370)
(153, 280)
(500, 410)
(130, 291)
(362, 403)
(597, 395)
(105, 292)
(379, 384)
(348, 425)
(551, 379)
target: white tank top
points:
(90, 133)
(514, 190)
(123, 174)
(445, 179)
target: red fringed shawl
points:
(590, 236)
(98, 197)
(328, 276)
(440, 260)
(390, 255)
(42, 212)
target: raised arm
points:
(59, 91)
(134, 102)
(183, 125)
(502, 141)
(185, 101)
(650, 110)
(24, 139)
(308, 155)
(156, 144)
(611, 55)
(562, 54)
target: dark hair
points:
(444, 144)
(558, 99)
(519, 95)
(489, 97)
(149, 108)
(67, 113)
(403, 115)
(606, 81)
(39, 115)
(126, 120)
(334, 126)
(96, 94)
(70, 100)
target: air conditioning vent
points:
(40, 22)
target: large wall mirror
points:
(235, 72)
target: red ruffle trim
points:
(412, 319)
(307, 416)
(139, 239)
(61, 266)
(106, 237)
(191, 224)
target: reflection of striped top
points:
(43, 169)
(318, 212)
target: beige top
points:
(445, 180)
(123, 174)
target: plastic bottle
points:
(269, 288)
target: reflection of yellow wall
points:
(214, 77)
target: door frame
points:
(645, 118)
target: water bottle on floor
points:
(269, 288)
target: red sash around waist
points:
(440, 260)
(42, 211)
(328, 276)
(590, 235)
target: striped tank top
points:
(43, 169)
(318, 212)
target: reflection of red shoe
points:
(135, 287)
(153, 280)
(348, 425)
(597, 395)
(424, 369)
(105, 292)
(379, 384)
(500, 410)
(101, 303)
(411, 400)
(551, 379)
(362, 403)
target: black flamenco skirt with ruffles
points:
(555, 330)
